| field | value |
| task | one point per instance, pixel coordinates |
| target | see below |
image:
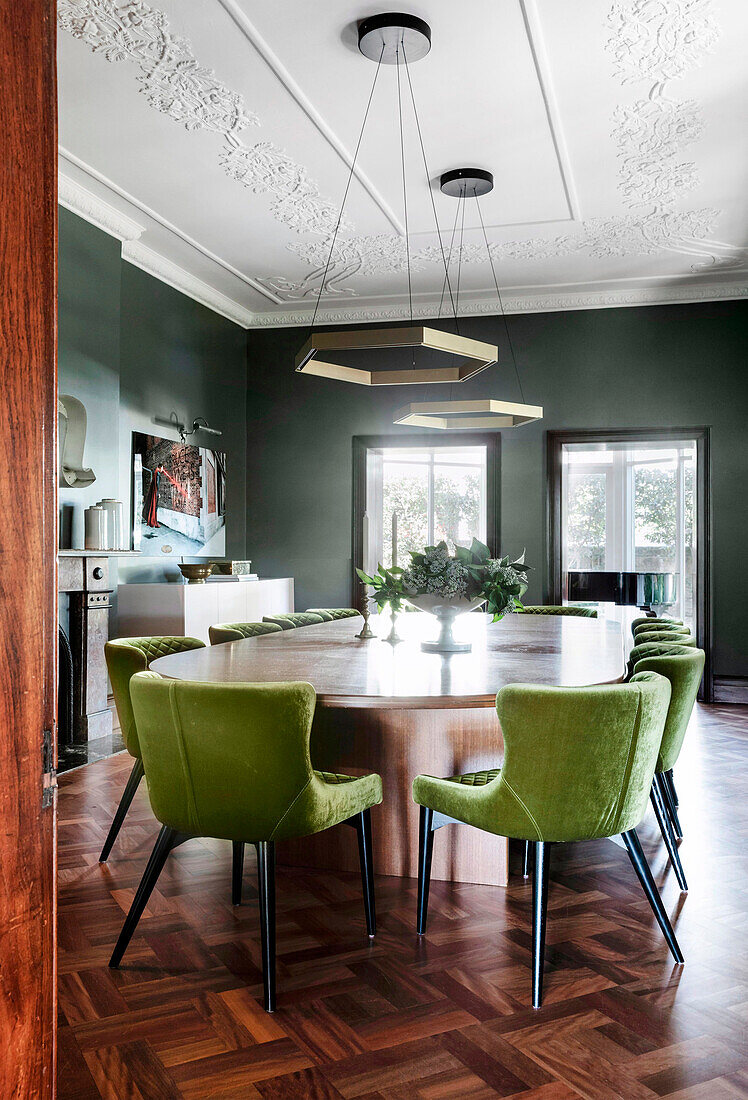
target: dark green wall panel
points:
(644, 367)
(132, 349)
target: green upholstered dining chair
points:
(234, 632)
(331, 613)
(231, 761)
(288, 620)
(557, 609)
(684, 670)
(578, 765)
(660, 628)
(655, 649)
(664, 636)
(650, 621)
(125, 657)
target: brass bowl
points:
(196, 573)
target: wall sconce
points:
(199, 424)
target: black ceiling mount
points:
(394, 37)
(466, 182)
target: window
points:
(423, 491)
(632, 506)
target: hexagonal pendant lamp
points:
(395, 38)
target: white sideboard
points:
(189, 609)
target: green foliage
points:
(469, 573)
(387, 587)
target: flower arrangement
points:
(469, 575)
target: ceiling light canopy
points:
(394, 36)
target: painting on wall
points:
(179, 498)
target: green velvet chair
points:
(331, 613)
(125, 657)
(656, 649)
(287, 620)
(231, 761)
(578, 765)
(684, 671)
(234, 632)
(664, 636)
(660, 628)
(556, 609)
(653, 621)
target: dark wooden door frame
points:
(362, 443)
(554, 443)
(28, 536)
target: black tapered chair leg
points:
(366, 858)
(124, 805)
(166, 840)
(668, 835)
(670, 806)
(639, 861)
(237, 871)
(539, 910)
(671, 784)
(266, 876)
(425, 851)
(527, 860)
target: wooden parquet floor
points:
(447, 1017)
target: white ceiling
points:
(214, 137)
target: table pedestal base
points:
(400, 744)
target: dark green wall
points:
(88, 356)
(132, 349)
(651, 367)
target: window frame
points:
(459, 440)
(555, 441)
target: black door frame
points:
(554, 443)
(362, 443)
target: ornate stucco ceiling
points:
(214, 137)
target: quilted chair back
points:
(125, 657)
(234, 632)
(555, 609)
(684, 671)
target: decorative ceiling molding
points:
(652, 40)
(253, 36)
(513, 303)
(68, 161)
(175, 84)
(656, 41)
(73, 196)
(659, 40)
(135, 252)
(624, 235)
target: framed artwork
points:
(179, 498)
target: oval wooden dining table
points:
(398, 711)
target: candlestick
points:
(366, 631)
(394, 539)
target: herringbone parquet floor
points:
(447, 1017)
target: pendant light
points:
(462, 184)
(393, 38)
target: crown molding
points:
(138, 254)
(524, 303)
(78, 199)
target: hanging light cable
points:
(393, 39)
(482, 412)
